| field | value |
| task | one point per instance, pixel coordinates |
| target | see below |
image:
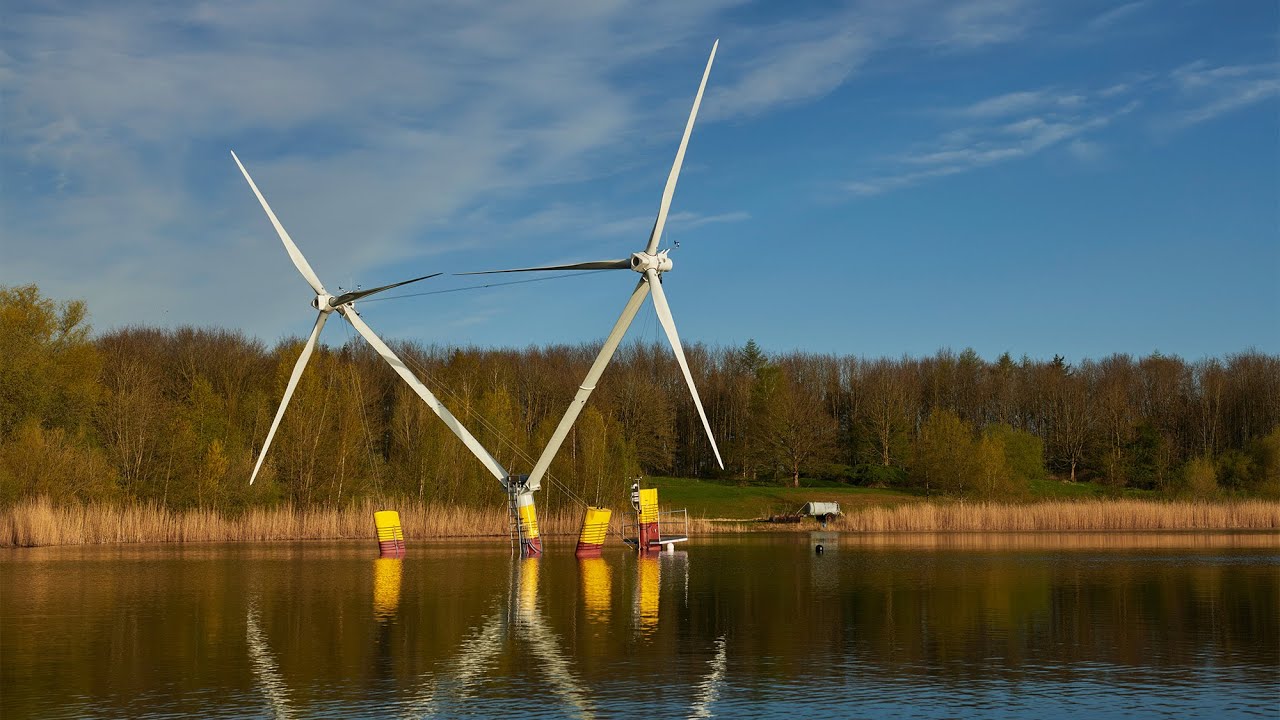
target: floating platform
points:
(633, 542)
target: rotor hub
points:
(643, 262)
(323, 303)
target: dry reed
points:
(39, 522)
(1065, 516)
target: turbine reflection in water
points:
(521, 620)
(265, 670)
(706, 692)
(485, 642)
(545, 644)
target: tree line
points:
(176, 417)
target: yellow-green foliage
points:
(951, 459)
(46, 462)
(1267, 451)
(1024, 451)
(48, 366)
(1200, 478)
(177, 417)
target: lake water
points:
(915, 626)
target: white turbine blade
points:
(622, 264)
(294, 253)
(351, 297)
(669, 324)
(588, 384)
(288, 391)
(656, 236)
(440, 410)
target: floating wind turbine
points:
(343, 305)
(650, 263)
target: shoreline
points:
(40, 523)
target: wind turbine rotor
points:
(326, 303)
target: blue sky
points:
(867, 178)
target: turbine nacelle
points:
(643, 262)
(323, 303)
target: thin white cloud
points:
(1116, 15)
(802, 60)
(800, 69)
(639, 226)
(1018, 125)
(1086, 152)
(1023, 101)
(1208, 92)
(982, 22)
(365, 130)
(1021, 124)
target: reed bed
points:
(1065, 516)
(1055, 516)
(38, 522)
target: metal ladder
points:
(515, 532)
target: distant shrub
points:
(1266, 454)
(838, 472)
(1199, 478)
(1024, 452)
(1235, 469)
(876, 475)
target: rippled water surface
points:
(1012, 626)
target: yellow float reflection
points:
(648, 592)
(597, 589)
(386, 587)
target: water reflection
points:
(519, 620)
(555, 667)
(905, 626)
(596, 582)
(648, 590)
(1101, 540)
(264, 664)
(386, 587)
(708, 689)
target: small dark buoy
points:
(818, 549)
